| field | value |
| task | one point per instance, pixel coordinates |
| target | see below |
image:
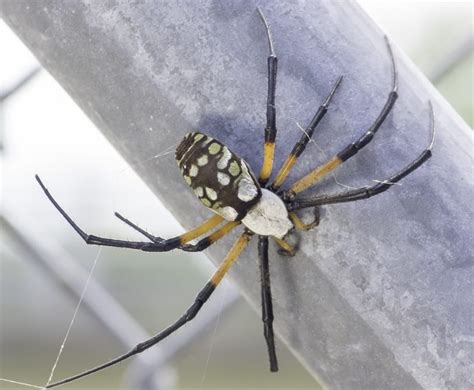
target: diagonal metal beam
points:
(380, 296)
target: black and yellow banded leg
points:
(267, 304)
(300, 146)
(200, 245)
(369, 191)
(160, 245)
(211, 239)
(286, 249)
(201, 229)
(192, 234)
(363, 192)
(353, 148)
(300, 225)
(268, 158)
(192, 311)
(231, 257)
(270, 128)
(313, 177)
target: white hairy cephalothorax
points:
(269, 217)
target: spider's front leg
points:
(270, 128)
(158, 244)
(368, 191)
(353, 148)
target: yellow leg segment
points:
(284, 171)
(231, 257)
(290, 249)
(224, 230)
(268, 154)
(314, 176)
(300, 225)
(201, 229)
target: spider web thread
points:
(71, 323)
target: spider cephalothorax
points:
(225, 184)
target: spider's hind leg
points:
(188, 315)
(157, 245)
(199, 246)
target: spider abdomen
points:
(221, 180)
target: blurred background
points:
(42, 131)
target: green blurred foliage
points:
(457, 88)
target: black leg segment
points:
(369, 191)
(353, 148)
(189, 315)
(270, 127)
(202, 244)
(199, 301)
(157, 245)
(319, 172)
(267, 306)
(272, 63)
(300, 146)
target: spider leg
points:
(198, 247)
(151, 237)
(158, 246)
(350, 150)
(286, 249)
(300, 225)
(300, 146)
(270, 128)
(369, 191)
(267, 306)
(190, 313)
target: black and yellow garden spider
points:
(225, 184)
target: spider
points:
(226, 185)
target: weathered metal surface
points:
(380, 295)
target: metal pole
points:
(5, 93)
(380, 295)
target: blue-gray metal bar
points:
(5, 93)
(380, 295)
